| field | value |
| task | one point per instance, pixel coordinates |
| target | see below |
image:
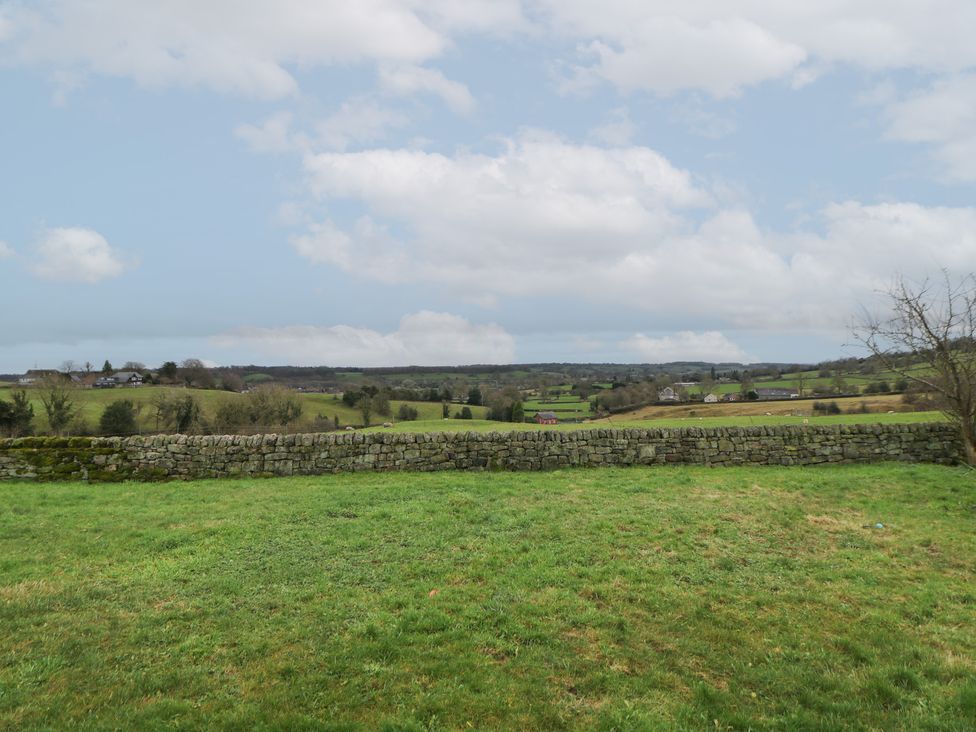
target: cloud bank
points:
(620, 225)
(422, 339)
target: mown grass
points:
(601, 599)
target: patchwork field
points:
(92, 403)
(603, 599)
(484, 425)
(880, 403)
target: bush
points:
(16, 415)
(321, 423)
(273, 406)
(178, 414)
(407, 413)
(230, 416)
(518, 412)
(119, 418)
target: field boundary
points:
(164, 457)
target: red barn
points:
(545, 418)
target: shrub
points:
(273, 406)
(321, 423)
(518, 412)
(16, 415)
(119, 418)
(230, 416)
(178, 414)
(407, 413)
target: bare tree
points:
(935, 324)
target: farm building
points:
(128, 378)
(35, 375)
(710, 399)
(546, 418)
(667, 394)
(732, 397)
(767, 394)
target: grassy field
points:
(759, 598)
(484, 425)
(804, 407)
(92, 403)
(565, 406)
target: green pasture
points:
(484, 425)
(92, 402)
(759, 420)
(630, 599)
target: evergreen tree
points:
(119, 418)
(518, 412)
(16, 415)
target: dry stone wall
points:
(163, 457)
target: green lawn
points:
(660, 598)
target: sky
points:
(442, 182)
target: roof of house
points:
(546, 415)
(775, 392)
(126, 375)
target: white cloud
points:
(685, 345)
(670, 45)
(369, 245)
(76, 255)
(668, 54)
(5, 250)
(422, 339)
(618, 129)
(619, 225)
(274, 135)
(721, 48)
(499, 17)
(408, 80)
(358, 120)
(943, 115)
(242, 48)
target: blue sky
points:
(401, 182)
